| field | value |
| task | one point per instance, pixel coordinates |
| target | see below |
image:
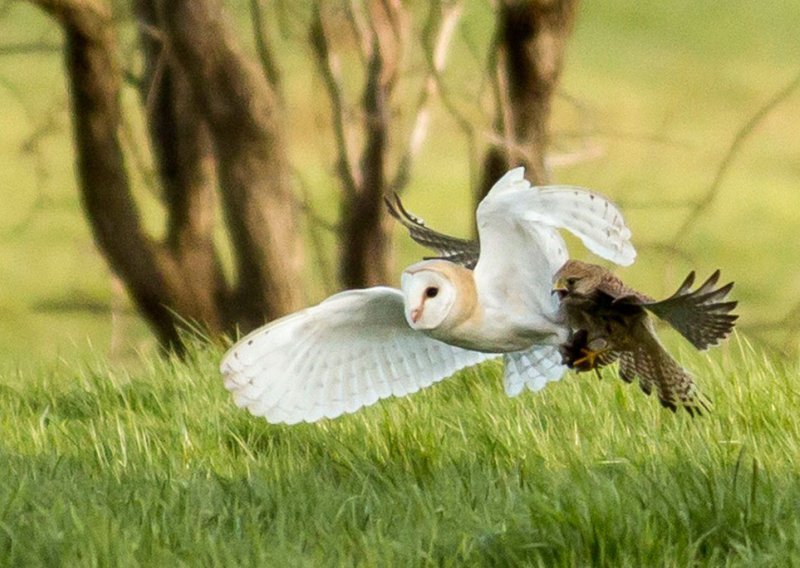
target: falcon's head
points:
(577, 278)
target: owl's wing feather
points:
(532, 369)
(460, 251)
(521, 248)
(591, 217)
(336, 357)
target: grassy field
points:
(158, 468)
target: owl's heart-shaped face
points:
(429, 296)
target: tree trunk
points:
(530, 41)
(94, 80)
(365, 242)
(208, 109)
(182, 149)
(242, 113)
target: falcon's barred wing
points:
(700, 316)
(347, 352)
(459, 251)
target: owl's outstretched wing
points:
(336, 357)
(460, 251)
(532, 369)
(521, 248)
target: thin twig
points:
(504, 113)
(315, 222)
(266, 57)
(355, 18)
(328, 66)
(436, 64)
(666, 250)
(139, 158)
(589, 151)
(463, 123)
(626, 136)
(738, 140)
(29, 48)
(44, 125)
(665, 204)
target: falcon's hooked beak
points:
(560, 288)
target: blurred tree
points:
(216, 125)
(526, 60)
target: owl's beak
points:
(415, 314)
(560, 288)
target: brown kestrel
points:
(610, 322)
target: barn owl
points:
(612, 323)
(360, 346)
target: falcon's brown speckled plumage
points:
(610, 322)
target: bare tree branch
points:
(360, 29)
(29, 48)
(389, 23)
(182, 148)
(528, 54)
(266, 56)
(328, 67)
(738, 140)
(315, 223)
(95, 80)
(249, 145)
(448, 18)
(789, 325)
(364, 233)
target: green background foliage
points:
(652, 97)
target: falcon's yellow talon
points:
(590, 358)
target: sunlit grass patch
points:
(158, 465)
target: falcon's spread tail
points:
(700, 316)
(655, 367)
(648, 361)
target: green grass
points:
(103, 467)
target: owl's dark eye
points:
(431, 292)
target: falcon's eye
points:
(431, 292)
(571, 281)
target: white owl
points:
(359, 346)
